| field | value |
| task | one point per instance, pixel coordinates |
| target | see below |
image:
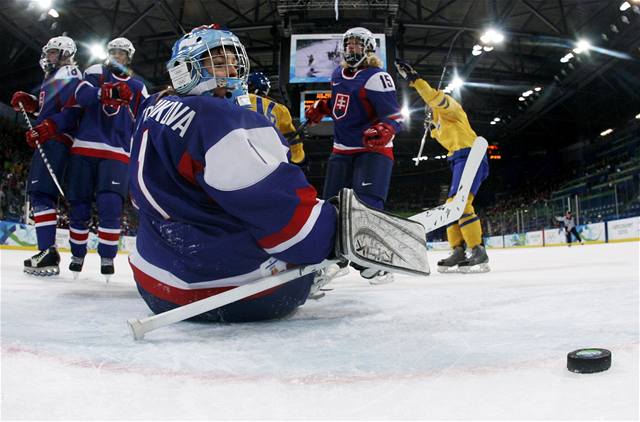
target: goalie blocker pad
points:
(375, 239)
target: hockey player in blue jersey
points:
(219, 203)
(54, 118)
(98, 166)
(366, 117)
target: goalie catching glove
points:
(376, 241)
(115, 94)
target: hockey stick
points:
(291, 138)
(424, 139)
(41, 151)
(451, 211)
(141, 326)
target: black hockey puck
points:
(588, 361)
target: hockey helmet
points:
(366, 40)
(66, 50)
(259, 83)
(122, 44)
(203, 45)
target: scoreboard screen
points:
(308, 98)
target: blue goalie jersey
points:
(219, 203)
(358, 101)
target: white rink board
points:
(448, 346)
(628, 228)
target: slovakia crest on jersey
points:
(340, 106)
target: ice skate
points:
(76, 266)
(44, 263)
(450, 264)
(478, 261)
(106, 268)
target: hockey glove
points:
(29, 102)
(316, 112)
(41, 133)
(378, 135)
(406, 71)
(115, 94)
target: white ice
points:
(481, 346)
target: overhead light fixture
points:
(537, 89)
(477, 47)
(582, 46)
(566, 58)
(44, 4)
(97, 51)
(53, 13)
(456, 83)
(493, 122)
(487, 48)
(492, 36)
(476, 52)
(606, 132)
(638, 116)
(406, 113)
(497, 119)
(624, 6)
(521, 99)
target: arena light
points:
(53, 13)
(606, 132)
(456, 83)
(566, 58)
(582, 46)
(97, 51)
(624, 6)
(44, 4)
(488, 48)
(496, 119)
(493, 122)
(521, 99)
(476, 52)
(638, 116)
(537, 89)
(406, 113)
(492, 36)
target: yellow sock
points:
(470, 228)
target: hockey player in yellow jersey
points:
(450, 127)
(277, 113)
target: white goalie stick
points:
(451, 211)
(431, 219)
(141, 326)
(41, 151)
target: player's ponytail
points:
(372, 60)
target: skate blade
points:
(480, 268)
(446, 270)
(316, 296)
(107, 277)
(42, 272)
(386, 279)
(75, 274)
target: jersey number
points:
(386, 80)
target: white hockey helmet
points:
(66, 50)
(367, 41)
(122, 44)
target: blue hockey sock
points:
(46, 217)
(110, 212)
(79, 227)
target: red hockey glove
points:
(378, 135)
(316, 112)
(115, 94)
(41, 133)
(29, 102)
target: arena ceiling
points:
(588, 93)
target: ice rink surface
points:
(481, 346)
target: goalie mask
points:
(209, 58)
(356, 43)
(50, 60)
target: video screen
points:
(308, 98)
(314, 57)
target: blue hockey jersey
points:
(105, 131)
(55, 101)
(219, 203)
(359, 100)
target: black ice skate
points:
(106, 268)
(44, 263)
(450, 264)
(478, 261)
(76, 266)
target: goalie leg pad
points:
(374, 239)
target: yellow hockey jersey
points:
(452, 129)
(280, 116)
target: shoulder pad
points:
(95, 69)
(68, 72)
(380, 81)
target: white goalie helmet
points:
(66, 50)
(122, 44)
(367, 41)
